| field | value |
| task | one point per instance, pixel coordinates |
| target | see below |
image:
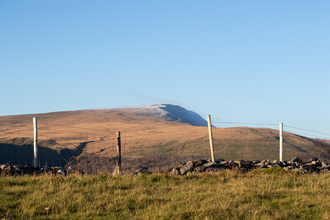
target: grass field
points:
(261, 194)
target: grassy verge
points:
(262, 194)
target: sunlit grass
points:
(262, 194)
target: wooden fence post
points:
(210, 136)
(118, 167)
(35, 140)
(281, 141)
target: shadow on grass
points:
(19, 151)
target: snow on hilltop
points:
(173, 113)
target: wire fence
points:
(246, 141)
(92, 149)
(258, 141)
(59, 146)
(307, 143)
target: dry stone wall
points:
(194, 167)
(191, 167)
(200, 166)
(14, 170)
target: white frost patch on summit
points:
(173, 113)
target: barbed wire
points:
(306, 130)
(72, 126)
(244, 123)
(306, 135)
(271, 124)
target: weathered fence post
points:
(281, 141)
(35, 140)
(118, 167)
(210, 136)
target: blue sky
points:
(240, 61)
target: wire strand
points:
(306, 130)
(244, 123)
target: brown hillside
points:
(93, 132)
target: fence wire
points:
(246, 141)
(261, 141)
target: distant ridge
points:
(166, 112)
(171, 113)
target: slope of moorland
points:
(148, 137)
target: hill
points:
(157, 136)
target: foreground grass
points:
(262, 194)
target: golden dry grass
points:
(143, 135)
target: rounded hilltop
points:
(172, 113)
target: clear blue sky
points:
(241, 61)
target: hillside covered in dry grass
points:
(147, 140)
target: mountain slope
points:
(148, 134)
(171, 113)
